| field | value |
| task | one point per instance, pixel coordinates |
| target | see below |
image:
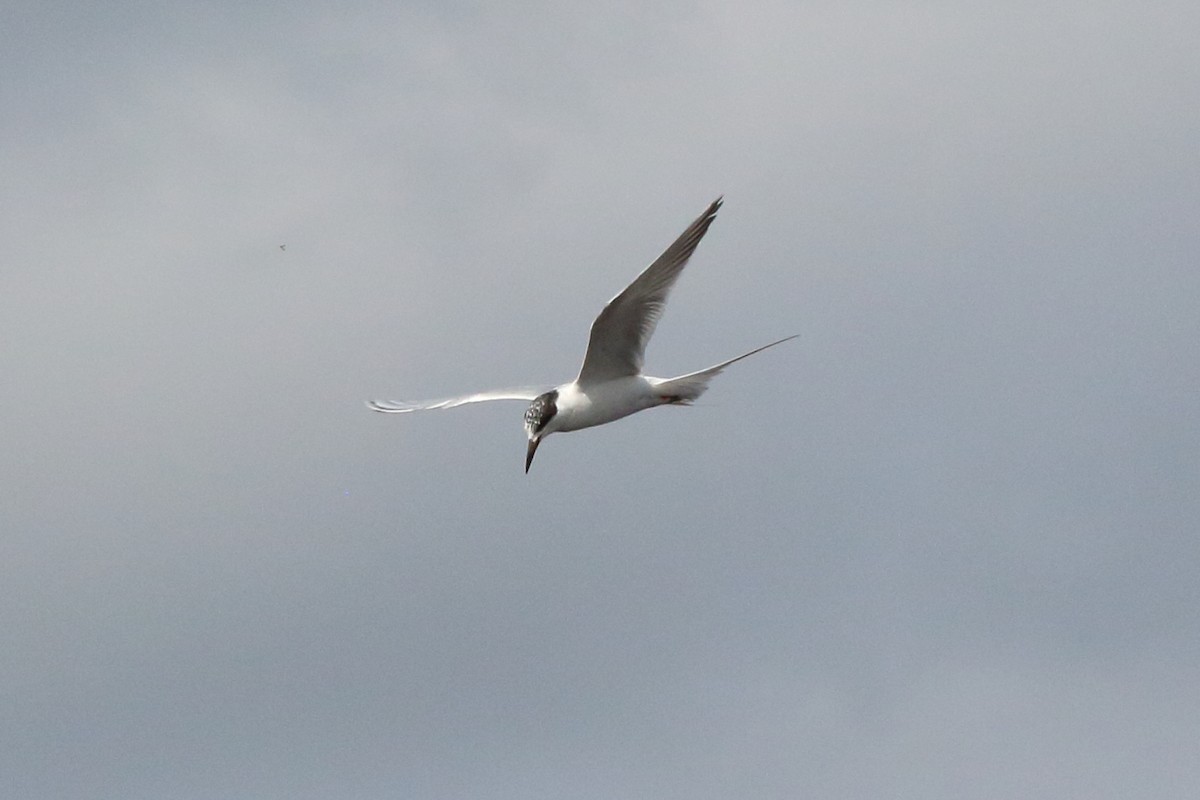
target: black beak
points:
(533, 444)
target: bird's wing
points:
(618, 340)
(404, 407)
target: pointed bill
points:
(533, 446)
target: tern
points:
(610, 384)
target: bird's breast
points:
(580, 407)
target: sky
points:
(942, 545)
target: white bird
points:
(610, 384)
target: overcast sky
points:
(943, 545)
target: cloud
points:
(940, 545)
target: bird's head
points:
(537, 417)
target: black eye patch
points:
(541, 410)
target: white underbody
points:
(584, 407)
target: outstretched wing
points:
(404, 407)
(617, 344)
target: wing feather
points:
(617, 344)
(405, 407)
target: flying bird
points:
(610, 384)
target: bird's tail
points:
(686, 388)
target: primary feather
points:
(404, 406)
(617, 344)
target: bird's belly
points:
(605, 403)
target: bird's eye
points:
(540, 411)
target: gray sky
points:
(944, 545)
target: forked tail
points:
(686, 388)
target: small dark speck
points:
(283, 247)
